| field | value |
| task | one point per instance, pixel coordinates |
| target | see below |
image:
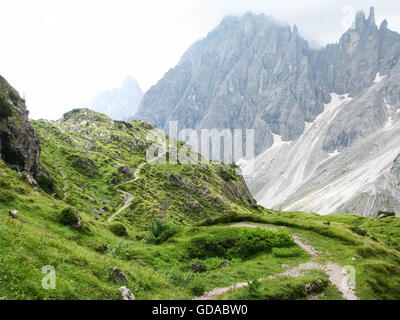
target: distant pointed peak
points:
(360, 20)
(295, 30)
(384, 25)
(371, 18)
(130, 81)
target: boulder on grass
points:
(313, 286)
(225, 264)
(13, 214)
(198, 267)
(126, 294)
(118, 275)
(140, 262)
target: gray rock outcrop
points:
(19, 142)
(118, 276)
(126, 294)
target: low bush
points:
(287, 252)
(119, 229)
(197, 286)
(161, 230)
(69, 217)
(237, 243)
(46, 183)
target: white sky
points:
(59, 53)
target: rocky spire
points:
(295, 30)
(360, 20)
(371, 18)
(384, 25)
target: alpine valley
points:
(85, 216)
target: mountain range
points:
(326, 121)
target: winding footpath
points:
(338, 277)
(128, 200)
(128, 197)
(64, 181)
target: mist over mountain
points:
(318, 115)
(120, 103)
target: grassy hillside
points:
(176, 231)
(95, 161)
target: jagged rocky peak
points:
(361, 21)
(384, 25)
(249, 72)
(371, 18)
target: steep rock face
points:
(19, 143)
(249, 72)
(326, 120)
(396, 170)
(121, 103)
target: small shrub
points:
(122, 250)
(119, 229)
(45, 183)
(161, 230)
(179, 277)
(69, 217)
(197, 286)
(253, 289)
(287, 252)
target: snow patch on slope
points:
(327, 199)
(294, 158)
(378, 78)
(300, 175)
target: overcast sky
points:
(59, 53)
